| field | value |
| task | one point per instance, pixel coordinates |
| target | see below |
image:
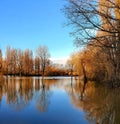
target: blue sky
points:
(30, 23)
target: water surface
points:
(25, 101)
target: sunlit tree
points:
(97, 23)
(43, 54)
(28, 62)
(1, 62)
(20, 59)
(7, 61)
(37, 65)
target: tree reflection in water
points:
(100, 103)
(42, 98)
(20, 92)
(1, 88)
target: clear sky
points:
(30, 23)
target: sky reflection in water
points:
(23, 100)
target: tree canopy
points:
(96, 25)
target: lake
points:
(23, 100)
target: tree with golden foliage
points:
(28, 62)
(1, 62)
(97, 24)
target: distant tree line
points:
(25, 63)
(96, 26)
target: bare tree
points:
(43, 54)
(1, 62)
(97, 23)
(10, 62)
(13, 60)
(20, 61)
(28, 62)
(7, 61)
(37, 65)
(70, 65)
(93, 17)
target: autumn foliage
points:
(96, 26)
(26, 63)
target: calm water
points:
(25, 101)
